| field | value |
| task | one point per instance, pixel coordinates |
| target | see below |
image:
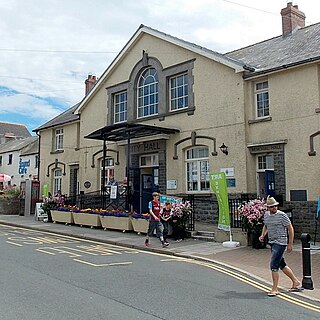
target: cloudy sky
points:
(48, 47)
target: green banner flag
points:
(218, 184)
(45, 190)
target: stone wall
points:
(303, 216)
(303, 213)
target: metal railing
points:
(99, 199)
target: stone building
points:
(167, 112)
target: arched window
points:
(197, 169)
(148, 101)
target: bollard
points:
(306, 261)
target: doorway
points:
(149, 184)
(266, 183)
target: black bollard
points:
(306, 261)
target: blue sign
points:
(23, 166)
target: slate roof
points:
(300, 46)
(63, 118)
(18, 130)
(16, 145)
(32, 148)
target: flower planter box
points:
(140, 225)
(86, 219)
(62, 216)
(117, 223)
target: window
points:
(179, 91)
(150, 160)
(10, 159)
(197, 168)
(148, 93)
(120, 107)
(265, 162)
(0, 161)
(57, 181)
(262, 99)
(36, 161)
(109, 170)
(59, 139)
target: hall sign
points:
(23, 166)
(266, 148)
(150, 146)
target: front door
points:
(146, 191)
(269, 183)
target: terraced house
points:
(166, 113)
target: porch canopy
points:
(127, 131)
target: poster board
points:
(39, 213)
(113, 192)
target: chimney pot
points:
(90, 83)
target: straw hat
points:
(271, 202)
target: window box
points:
(86, 219)
(140, 225)
(116, 223)
(62, 216)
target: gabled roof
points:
(213, 55)
(18, 130)
(16, 145)
(299, 47)
(63, 118)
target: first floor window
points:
(10, 158)
(148, 93)
(57, 181)
(179, 91)
(197, 168)
(59, 139)
(36, 161)
(120, 107)
(262, 99)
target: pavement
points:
(245, 260)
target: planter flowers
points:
(51, 203)
(252, 213)
(181, 212)
(180, 216)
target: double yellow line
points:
(252, 282)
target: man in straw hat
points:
(278, 226)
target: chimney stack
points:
(90, 82)
(292, 18)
